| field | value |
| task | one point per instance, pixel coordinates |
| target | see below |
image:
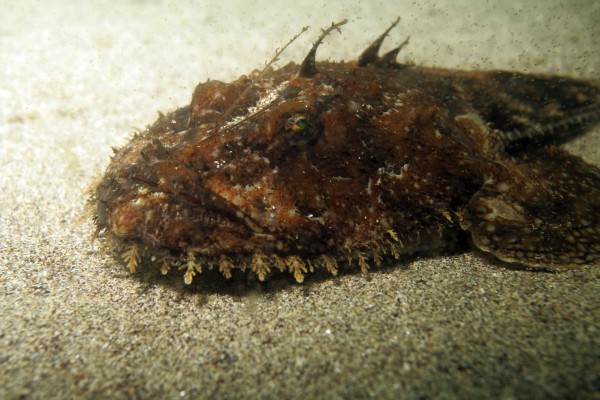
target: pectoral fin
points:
(544, 213)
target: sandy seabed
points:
(78, 78)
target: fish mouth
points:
(151, 213)
(231, 229)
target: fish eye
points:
(298, 129)
(298, 123)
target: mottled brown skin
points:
(394, 159)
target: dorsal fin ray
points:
(308, 67)
(370, 55)
(389, 58)
(275, 58)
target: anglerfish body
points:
(312, 166)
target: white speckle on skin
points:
(503, 187)
(325, 89)
(354, 106)
(218, 96)
(139, 202)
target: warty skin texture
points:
(306, 166)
